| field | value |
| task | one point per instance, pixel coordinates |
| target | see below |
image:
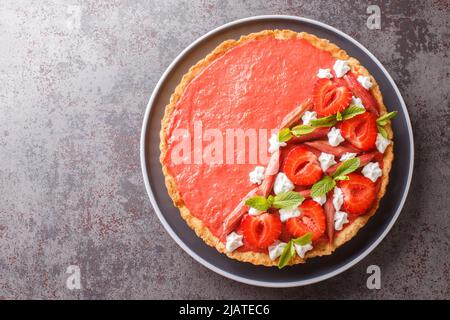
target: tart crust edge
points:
(196, 224)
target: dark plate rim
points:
(186, 248)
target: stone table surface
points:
(75, 78)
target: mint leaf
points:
(346, 167)
(288, 199)
(382, 131)
(324, 122)
(303, 240)
(302, 129)
(383, 120)
(258, 202)
(341, 178)
(339, 116)
(270, 200)
(284, 135)
(322, 187)
(352, 111)
(286, 255)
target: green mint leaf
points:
(346, 167)
(284, 135)
(339, 116)
(288, 199)
(352, 111)
(286, 255)
(341, 178)
(270, 200)
(383, 120)
(258, 202)
(324, 122)
(302, 129)
(303, 240)
(322, 187)
(382, 131)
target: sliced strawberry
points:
(324, 146)
(318, 133)
(329, 214)
(361, 131)
(302, 167)
(359, 91)
(261, 231)
(328, 98)
(359, 193)
(363, 160)
(312, 219)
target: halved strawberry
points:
(329, 99)
(261, 231)
(359, 193)
(361, 131)
(312, 219)
(302, 167)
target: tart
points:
(276, 147)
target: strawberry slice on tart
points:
(302, 166)
(361, 131)
(359, 193)
(329, 98)
(261, 231)
(311, 219)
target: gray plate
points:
(316, 269)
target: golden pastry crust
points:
(196, 224)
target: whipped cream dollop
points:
(308, 116)
(320, 200)
(282, 184)
(382, 143)
(234, 241)
(335, 137)
(254, 212)
(287, 213)
(257, 175)
(324, 73)
(357, 102)
(340, 68)
(338, 198)
(276, 249)
(302, 250)
(365, 82)
(340, 218)
(372, 171)
(347, 156)
(326, 160)
(274, 143)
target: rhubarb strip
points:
(359, 91)
(329, 215)
(324, 146)
(363, 160)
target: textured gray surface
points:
(72, 98)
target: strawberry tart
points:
(323, 141)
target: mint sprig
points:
(282, 200)
(327, 183)
(284, 135)
(383, 120)
(329, 121)
(289, 251)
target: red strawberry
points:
(312, 219)
(359, 193)
(360, 92)
(361, 131)
(328, 98)
(261, 231)
(302, 167)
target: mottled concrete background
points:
(75, 78)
